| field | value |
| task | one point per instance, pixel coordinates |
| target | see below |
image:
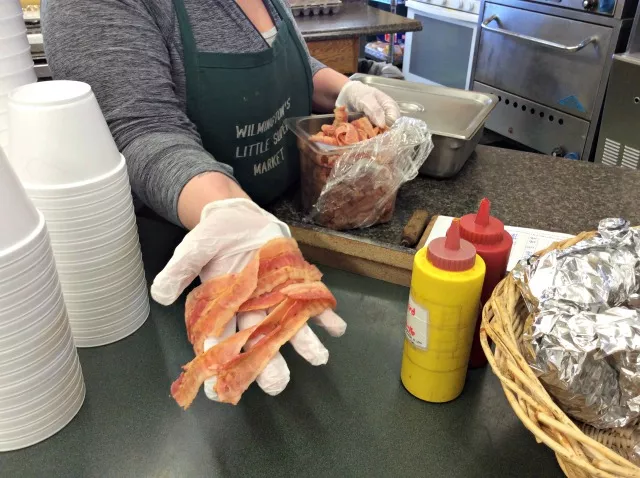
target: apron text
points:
(269, 164)
(248, 130)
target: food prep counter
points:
(526, 190)
(351, 417)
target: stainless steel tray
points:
(455, 117)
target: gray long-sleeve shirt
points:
(130, 52)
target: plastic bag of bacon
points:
(351, 171)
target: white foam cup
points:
(14, 260)
(124, 276)
(107, 219)
(19, 61)
(13, 390)
(12, 25)
(80, 235)
(42, 410)
(49, 426)
(73, 143)
(27, 296)
(31, 325)
(117, 290)
(113, 321)
(18, 216)
(40, 406)
(111, 334)
(11, 81)
(82, 213)
(33, 276)
(85, 204)
(28, 334)
(90, 190)
(103, 305)
(94, 249)
(10, 8)
(26, 362)
(79, 271)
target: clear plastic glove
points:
(379, 107)
(225, 240)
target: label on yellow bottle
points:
(417, 324)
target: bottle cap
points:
(451, 253)
(482, 227)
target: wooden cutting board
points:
(388, 263)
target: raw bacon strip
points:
(321, 138)
(264, 302)
(199, 297)
(294, 259)
(309, 291)
(347, 134)
(318, 137)
(328, 129)
(274, 252)
(211, 301)
(277, 247)
(269, 281)
(311, 299)
(185, 389)
(268, 300)
(341, 116)
(365, 125)
(280, 265)
(235, 376)
(221, 310)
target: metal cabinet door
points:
(555, 61)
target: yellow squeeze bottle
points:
(443, 307)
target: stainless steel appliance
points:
(442, 53)
(455, 118)
(549, 67)
(618, 140)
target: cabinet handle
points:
(549, 44)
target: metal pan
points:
(455, 118)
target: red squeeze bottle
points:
(493, 244)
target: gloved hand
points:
(379, 107)
(225, 240)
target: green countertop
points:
(349, 418)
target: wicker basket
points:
(582, 451)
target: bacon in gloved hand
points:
(211, 306)
(236, 370)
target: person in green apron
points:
(267, 87)
(196, 93)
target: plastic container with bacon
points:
(355, 186)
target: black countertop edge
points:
(354, 20)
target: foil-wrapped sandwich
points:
(583, 337)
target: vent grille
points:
(630, 157)
(545, 114)
(611, 152)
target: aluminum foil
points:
(583, 340)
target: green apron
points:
(239, 103)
